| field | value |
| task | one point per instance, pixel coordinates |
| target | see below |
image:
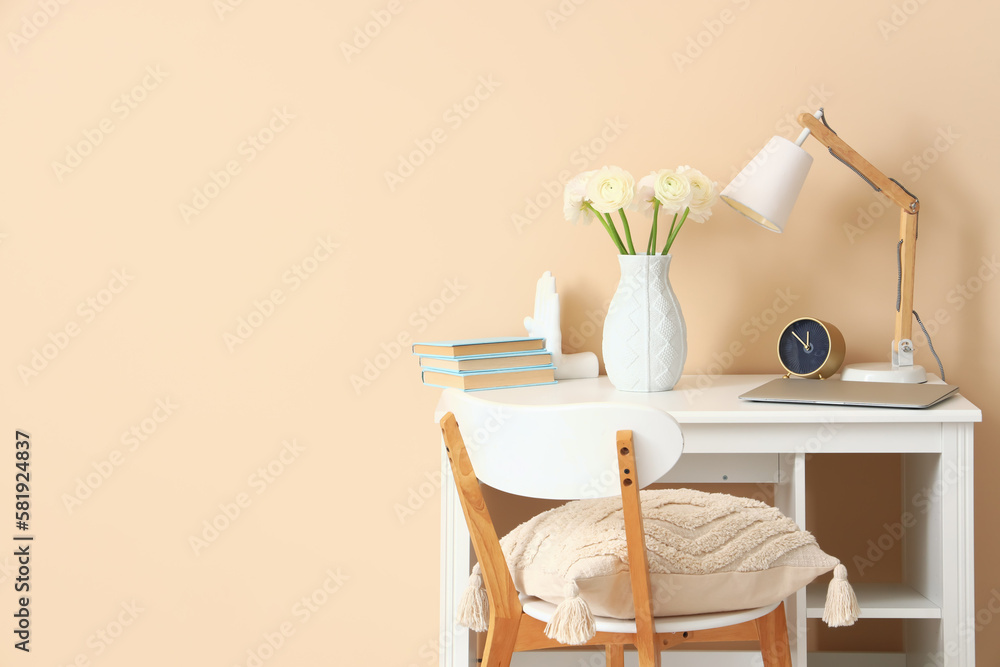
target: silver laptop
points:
(837, 392)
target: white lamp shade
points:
(768, 186)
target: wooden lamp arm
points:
(909, 207)
(826, 136)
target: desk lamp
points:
(765, 192)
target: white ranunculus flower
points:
(575, 198)
(644, 195)
(610, 189)
(704, 194)
(673, 190)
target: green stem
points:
(628, 232)
(675, 232)
(673, 224)
(651, 246)
(614, 232)
(614, 237)
(609, 228)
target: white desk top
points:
(703, 400)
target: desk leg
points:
(938, 550)
(790, 498)
(962, 630)
(456, 645)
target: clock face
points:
(804, 347)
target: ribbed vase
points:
(645, 338)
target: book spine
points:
(512, 386)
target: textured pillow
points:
(707, 553)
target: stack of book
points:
(485, 363)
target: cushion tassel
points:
(573, 622)
(474, 607)
(841, 603)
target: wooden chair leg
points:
(614, 655)
(500, 640)
(635, 543)
(773, 633)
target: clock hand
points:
(804, 343)
(807, 340)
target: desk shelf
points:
(877, 601)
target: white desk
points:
(727, 439)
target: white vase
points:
(645, 338)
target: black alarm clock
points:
(811, 348)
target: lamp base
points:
(880, 371)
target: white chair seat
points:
(543, 611)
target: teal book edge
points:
(492, 371)
(495, 355)
(509, 386)
(477, 341)
(512, 369)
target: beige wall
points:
(199, 79)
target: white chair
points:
(567, 453)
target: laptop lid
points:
(838, 392)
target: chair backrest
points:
(562, 452)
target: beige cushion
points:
(707, 553)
